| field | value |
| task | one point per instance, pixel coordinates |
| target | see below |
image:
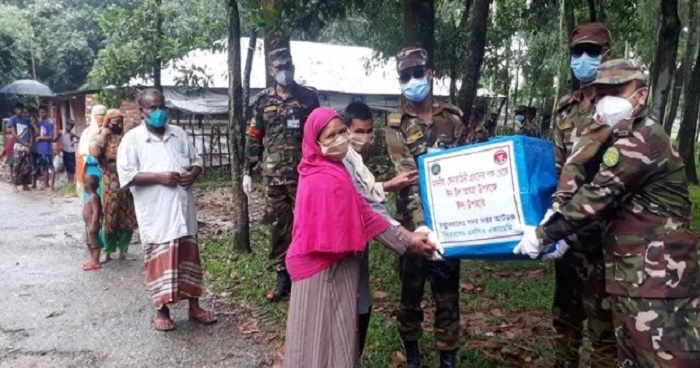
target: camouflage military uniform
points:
(275, 134)
(530, 128)
(408, 137)
(579, 292)
(651, 254)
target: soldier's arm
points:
(615, 181)
(254, 141)
(583, 162)
(404, 162)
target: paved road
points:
(53, 314)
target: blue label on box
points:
(477, 198)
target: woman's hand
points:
(421, 245)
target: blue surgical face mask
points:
(416, 90)
(158, 118)
(284, 77)
(520, 118)
(584, 66)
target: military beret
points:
(409, 57)
(593, 33)
(619, 71)
(279, 56)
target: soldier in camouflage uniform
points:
(424, 124)
(275, 135)
(526, 121)
(579, 291)
(641, 191)
(476, 131)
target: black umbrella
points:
(27, 87)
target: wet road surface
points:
(53, 314)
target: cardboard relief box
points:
(478, 198)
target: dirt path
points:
(56, 315)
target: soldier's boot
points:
(448, 359)
(412, 354)
(283, 287)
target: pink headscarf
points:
(331, 219)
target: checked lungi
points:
(173, 271)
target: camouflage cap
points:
(521, 108)
(619, 71)
(279, 57)
(409, 57)
(593, 33)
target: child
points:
(92, 215)
(44, 148)
(8, 152)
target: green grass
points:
(507, 286)
(66, 190)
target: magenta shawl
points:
(331, 219)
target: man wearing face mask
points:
(525, 121)
(579, 292)
(275, 136)
(422, 125)
(651, 254)
(157, 162)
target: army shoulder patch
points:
(611, 157)
(414, 137)
(394, 119)
(566, 124)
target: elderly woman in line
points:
(119, 217)
(86, 163)
(332, 225)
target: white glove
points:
(560, 249)
(432, 237)
(247, 184)
(529, 245)
(547, 216)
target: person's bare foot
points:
(108, 257)
(15, 189)
(25, 188)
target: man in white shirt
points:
(157, 162)
(360, 123)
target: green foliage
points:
(133, 42)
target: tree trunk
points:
(241, 225)
(157, 62)
(685, 70)
(686, 134)
(477, 44)
(591, 11)
(252, 44)
(419, 25)
(665, 59)
(506, 85)
(570, 21)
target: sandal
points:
(163, 324)
(91, 266)
(204, 317)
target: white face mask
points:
(611, 110)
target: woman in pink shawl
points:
(332, 225)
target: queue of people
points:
(29, 150)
